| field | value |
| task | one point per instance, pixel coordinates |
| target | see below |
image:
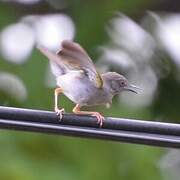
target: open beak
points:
(133, 88)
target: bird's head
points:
(118, 83)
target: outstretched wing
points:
(72, 56)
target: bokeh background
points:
(139, 39)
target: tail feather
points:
(55, 61)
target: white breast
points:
(74, 85)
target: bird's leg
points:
(57, 110)
(99, 117)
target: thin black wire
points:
(117, 129)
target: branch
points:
(117, 129)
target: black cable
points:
(118, 129)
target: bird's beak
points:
(133, 88)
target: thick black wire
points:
(118, 129)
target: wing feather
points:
(73, 53)
(72, 56)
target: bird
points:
(79, 80)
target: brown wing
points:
(73, 57)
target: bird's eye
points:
(122, 83)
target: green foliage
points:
(36, 156)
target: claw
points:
(59, 113)
(99, 117)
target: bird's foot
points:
(99, 117)
(59, 113)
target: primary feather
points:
(70, 57)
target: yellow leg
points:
(57, 110)
(99, 117)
